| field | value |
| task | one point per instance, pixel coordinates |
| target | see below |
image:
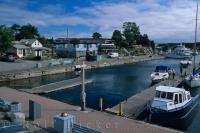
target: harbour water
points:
(113, 84)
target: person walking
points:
(181, 70)
(173, 73)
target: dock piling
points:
(101, 104)
(120, 109)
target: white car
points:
(113, 55)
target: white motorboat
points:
(171, 103)
(193, 80)
(77, 70)
(185, 63)
(160, 73)
(180, 52)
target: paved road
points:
(23, 64)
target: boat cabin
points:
(169, 98)
(162, 69)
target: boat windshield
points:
(196, 71)
(161, 69)
(164, 95)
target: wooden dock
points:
(56, 86)
(135, 105)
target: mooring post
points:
(120, 109)
(101, 104)
(83, 94)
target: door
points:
(24, 52)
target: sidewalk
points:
(98, 120)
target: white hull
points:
(177, 56)
(192, 82)
(157, 77)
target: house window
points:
(90, 45)
(85, 45)
(77, 46)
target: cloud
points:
(162, 20)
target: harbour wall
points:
(56, 69)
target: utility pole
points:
(83, 94)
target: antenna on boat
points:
(195, 39)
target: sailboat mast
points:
(195, 43)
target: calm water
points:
(113, 84)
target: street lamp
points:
(83, 94)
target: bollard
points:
(120, 109)
(101, 104)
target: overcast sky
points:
(162, 20)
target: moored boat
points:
(77, 70)
(180, 52)
(193, 80)
(171, 103)
(161, 73)
(186, 62)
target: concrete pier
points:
(56, 86)
(100, 121)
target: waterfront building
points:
(29, 48)
(66, 49)
(74, 50)
(107, 47)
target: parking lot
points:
(28, 64)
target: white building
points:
(74, 50)
(34, 44)
(29, 47)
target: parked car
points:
(113, 55)
(9, 57)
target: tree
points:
(153, 46)
(6, 38)
(28, 32)
(42, 39)
(50, 41)
(117, 37)
(16, 29)
(96, 35)
(131, 32)
(144, 40)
